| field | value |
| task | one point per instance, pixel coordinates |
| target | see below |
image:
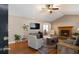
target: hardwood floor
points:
(22, 48)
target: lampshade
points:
(52, 32)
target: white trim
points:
(11, 42)
(14, 41)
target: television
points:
(34, 26)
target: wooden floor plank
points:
(22, 48)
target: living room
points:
(59, 22)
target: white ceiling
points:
(70, 9)
(34, 11)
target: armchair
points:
(35, 43)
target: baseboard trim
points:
(11, 42)
(15, 42)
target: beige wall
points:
(15, 24)
(67, 20)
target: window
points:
(45, 27)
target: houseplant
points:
(17, 37)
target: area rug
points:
(45, 49)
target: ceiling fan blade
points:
(55, 8)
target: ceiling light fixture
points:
(50, 8)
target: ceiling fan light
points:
(49, 6)
(50, 11)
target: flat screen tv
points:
(34, 26)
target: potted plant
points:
(17, 37)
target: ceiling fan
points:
(50, 7)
